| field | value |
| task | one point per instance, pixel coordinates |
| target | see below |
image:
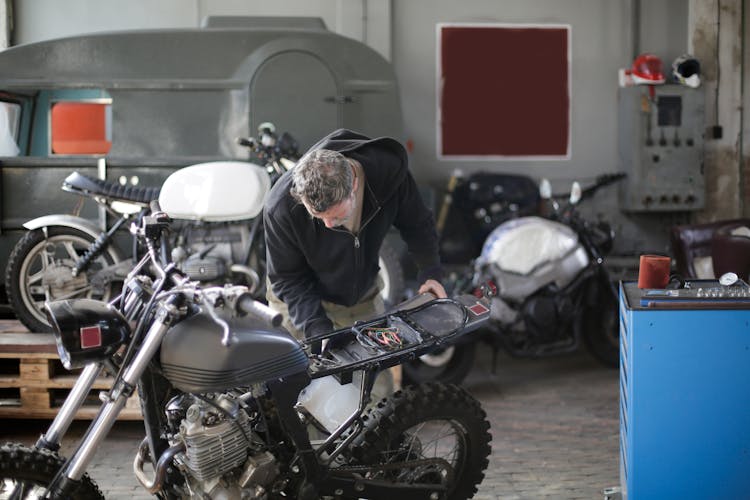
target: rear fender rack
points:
(411, 329)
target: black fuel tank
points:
(194, 360)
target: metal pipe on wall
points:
(6, 23)
(636, 27)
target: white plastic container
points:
(330, 402)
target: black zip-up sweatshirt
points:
(308, 262)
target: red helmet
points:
(647, 70)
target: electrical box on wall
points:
(661, 148)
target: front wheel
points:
(441, 429)
(449, 365)
(40, 269)
(26, 473)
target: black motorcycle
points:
(554, 293)
(235, 407)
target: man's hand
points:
(433, 287)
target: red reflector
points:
(478, 309)
(91, 336)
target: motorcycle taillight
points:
(486, 289)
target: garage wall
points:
(362, 20)
(36, 20)
(593, 70)
(404, 31)
(604, 37)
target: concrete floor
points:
(554, 427)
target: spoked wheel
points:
(430, 434)
(26, 473)
(40, 269)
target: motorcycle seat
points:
(79, 183)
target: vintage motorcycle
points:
(554, 293)
(67, 256)
(235, 408)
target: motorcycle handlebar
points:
(270, 147)
(247, 142)
(249, 305)
(601, 181)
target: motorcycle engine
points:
(207, 252)
(224, 457)
(547, 314)
(502, 312)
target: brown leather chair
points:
(694, 241)
(730, 250)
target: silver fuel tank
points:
(528, 253)
(194, 360)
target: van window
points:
(10, 118)
(80, 128)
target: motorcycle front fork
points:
(50, 440)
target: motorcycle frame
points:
(105, 237)
(318, 477)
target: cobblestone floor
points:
(554, 427)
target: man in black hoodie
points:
(325, 221)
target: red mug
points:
(654, 271)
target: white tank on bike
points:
(215, 191)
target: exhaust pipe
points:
(154, 485)
(252, 274)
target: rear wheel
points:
(391, 274)
(448, 365)
(601, 329)
(40, 269)
(26, 473)
(441, 426)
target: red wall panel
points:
(504, 90)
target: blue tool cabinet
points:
(684, 399)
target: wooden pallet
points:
(33, 382)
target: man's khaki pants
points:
(342, 316)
